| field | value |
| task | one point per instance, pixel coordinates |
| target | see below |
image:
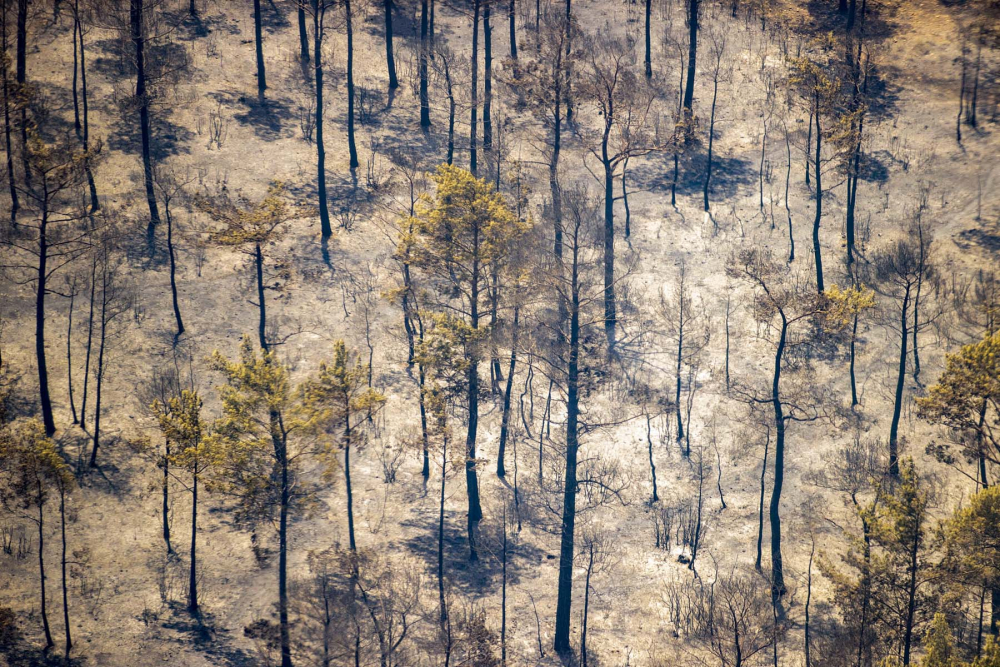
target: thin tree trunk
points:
(854, 383)
(99, 374)
(487, 78)
(474, 108)
(564, 601)
(390, 61)
(193, 573)
(649, 49)
(692, 56)
(94, 202)
(261, 304)
(586, 607)
(471, 480)
(41, 289)
(139, 42)
(760, 507)
(513, 28)
(652, 464)
(610, 307)
(897, 406)
(258, 39)
(303, 36)
(8, 144)
(324, 210)
(711, 137)
(286, 645)
(911, 603)
(351, 145)
(90, 342)
(173, 275)
(809, 579)
(165, 490)
(69, 351)
(819, 203)
(425, 105)
(777, 571)
(505, 420)
(41, 568)
(65, 589)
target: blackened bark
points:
(425, 106)
(261, 306)
(819, 200)
(41, 289)
(760, 506)
(505, 420)
(99, 374)
(777, 571)
(41, 566)
(65, 588)
(652, 464)
(472, 393)
(351, 145)
(564, 601)
(692, 56)
(69, 352)
(513, 29)
(165, 491)
(90, 342)
(173, 275)
(258, 39)
(94, 203)
(389, 59)
(139, 43)
(303, 34)
(8, 144)
(193, 572)
(711, 137)
(649, 60)
(474, 109)
(487, 78)
(897, 405)
(324, 208)
(610, 307)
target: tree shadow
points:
(267, 119)
(200, 631)
(729, 174)
(462, 575)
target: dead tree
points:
(783, 308)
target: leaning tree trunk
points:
(760, 506)
(897, 405)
